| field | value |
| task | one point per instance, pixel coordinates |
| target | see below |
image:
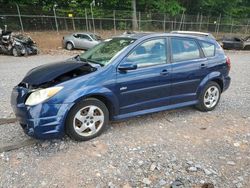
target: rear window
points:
(184, 49)
(208, 48)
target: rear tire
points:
(69, 46)
(209, 97)
(87, 119)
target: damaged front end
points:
(52, 74)
(30, 99)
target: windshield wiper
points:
(77, 57)
(91, 61)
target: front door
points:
(148, 86)
(83, 41)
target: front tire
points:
(209, 97)
(69, 46)
(87, 120)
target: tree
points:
(229, 8)
(135, 24)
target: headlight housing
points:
(41, 95)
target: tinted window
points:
(149, 53)
(208, 48)
(184, 49)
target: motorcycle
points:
(16, 45)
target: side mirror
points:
(127, 66)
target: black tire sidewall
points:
(69, 128)
(201, 106)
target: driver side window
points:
(149, 53)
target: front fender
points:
(212, 76)
(86, 92)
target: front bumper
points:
(42, 121)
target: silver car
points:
(80, 41)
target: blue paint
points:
(130, 93)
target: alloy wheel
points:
(211, 97)
(69, 46)
(88, 120)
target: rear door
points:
(189, 67)
(149, 85)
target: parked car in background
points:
(195, 33)
(81, 41)
(236, 43)
(123, 77)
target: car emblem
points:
(123, 88)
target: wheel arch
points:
(219, 82)
(70, 41)
(106, 101)
(215, 77)
(107, 97)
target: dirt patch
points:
(51, 42)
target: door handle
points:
(164, 72)
(203, 65)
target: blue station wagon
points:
(122, 77)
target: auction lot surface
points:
(183, 146)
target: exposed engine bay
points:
(49, 75)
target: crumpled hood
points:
(50, 72)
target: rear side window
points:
(208, 48)
(184, 49)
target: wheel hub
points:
(88, 120)
(211, 97)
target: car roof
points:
(84, 33)
(134, 35)
(194, 33)
(154, 34)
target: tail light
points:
(228, 62)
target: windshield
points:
(104, 52)
(95, 37)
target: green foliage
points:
(172, 6)
(229, 8)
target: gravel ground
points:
(180, 147)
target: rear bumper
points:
(227, 82)
(42, 121)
